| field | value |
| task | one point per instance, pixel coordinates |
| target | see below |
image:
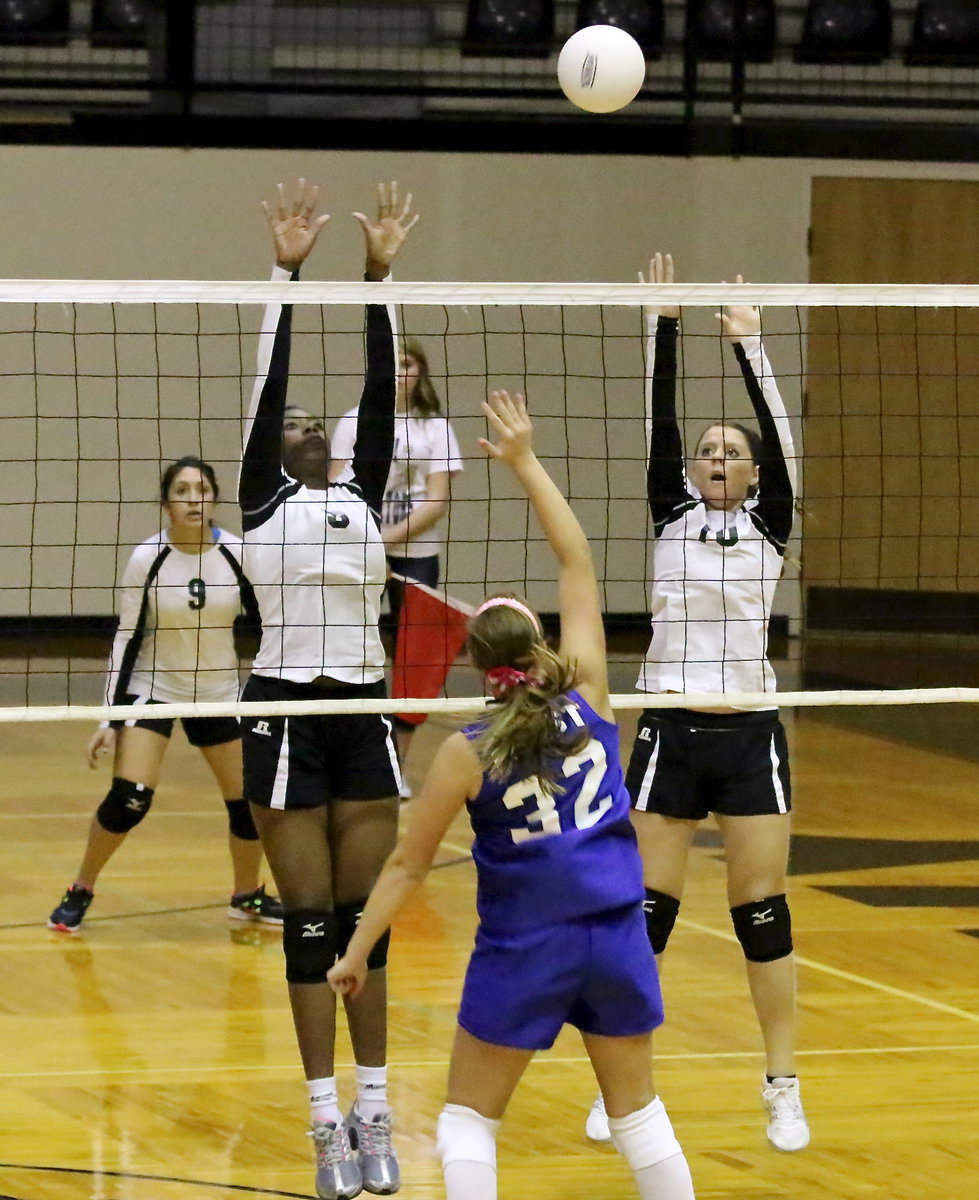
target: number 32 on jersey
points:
(544, 820)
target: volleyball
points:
(601, 68)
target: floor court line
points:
(847, 976)
(442, 1063)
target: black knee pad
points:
(124, 806)
(347, 917)
(309, 940)
(661, 911)
(764, 929)
(241, 823)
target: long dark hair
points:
(424, 399)
(523, 733)
(174, 469)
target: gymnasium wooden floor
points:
(152, 1056)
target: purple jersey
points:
(544, 859)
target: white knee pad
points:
(466, 1136)
(644, 1137)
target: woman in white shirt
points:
(182, 590)
(416, 497)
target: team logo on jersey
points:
(262, 727)
(313, 929)
(724, 537)
(337, 520)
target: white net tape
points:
(169, 291)
(474, 704)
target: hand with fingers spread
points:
(660, 271)
(293, 225)
(386, 234)
(511, 427)
(740, 320)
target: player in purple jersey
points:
(562, 935)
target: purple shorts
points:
(597, 973)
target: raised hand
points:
(740, 320)
(294, 228)
(386, 234)
(511, 427)
(660, 271)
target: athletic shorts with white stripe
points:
(306, 761)
(687, 764)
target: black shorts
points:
(200, 731)
(306, 761)
(687, 764)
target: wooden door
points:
(892, 406)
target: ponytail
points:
(524, 733)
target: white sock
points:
(666, 1180)
(324, 1103)
(467, 1144)
(372, 1091)
(645, 1139)
(469, 1181)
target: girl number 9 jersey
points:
(175, 640)
(544, 859)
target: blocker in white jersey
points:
(324, 787)
(718, 556)
(721, 528)
(314, 554)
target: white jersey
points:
(714, 572)
(423, 446)
(175, 640)
(315, 557)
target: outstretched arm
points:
(294, 230)
(579, 602)
(665, 476)
(777, 468)
(374, 442)
(451, 779)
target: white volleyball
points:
(601, 68)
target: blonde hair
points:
(523, 734)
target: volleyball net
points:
(103, 384)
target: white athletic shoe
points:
(788, 1128)
(596, 1126)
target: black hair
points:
(174, 469)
